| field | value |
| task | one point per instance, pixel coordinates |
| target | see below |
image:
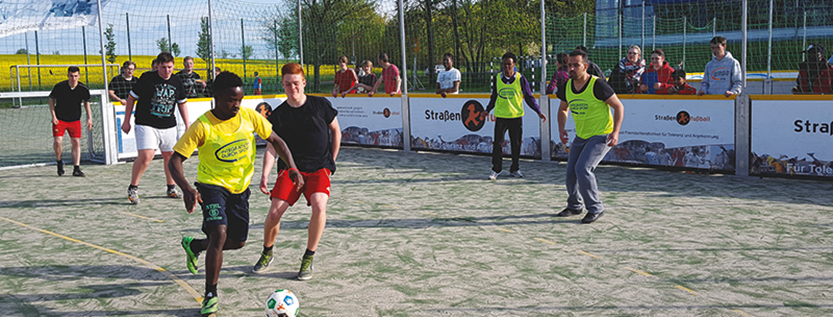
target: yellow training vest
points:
(592, 116)
(227, 160)
(509, 103)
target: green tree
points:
(247, 52)
(204, 43)
(175, 49)
(110, 47)
(162, 44)
(22, 51)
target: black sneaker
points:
(588, 218)
(567, 212)
(60, 168)
(78, 172)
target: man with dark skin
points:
(225, 138)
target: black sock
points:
(308, 252)
(60, 163)
(76, 168)
(210, 291)
(267, 250)
(171, 187)
(132, 187)
(196, 246)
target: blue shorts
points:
(221, 207)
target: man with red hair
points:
(310, 129)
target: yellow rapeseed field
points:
(49, 76)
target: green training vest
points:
(592, 116)
(509, 103)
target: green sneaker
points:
(209, 306)
(263, 263)
(306, 268)
(191, 258)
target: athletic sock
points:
(60, 163)
(132, 187)
(210, 291)
(267, 250)
(170, 187)
(76, 168)
(196, 246)
(308, 252)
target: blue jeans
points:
(585, 155)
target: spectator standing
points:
(345, 80)
(561, 75)
(663, 70)
(257, 84)
(592, 68)
(448, 80)
(390, 76)
(366, 77)
(723, 74)
(626, 75)
(209, 84)
(120, 86)
(815, 75)
(65, 106)
(190, 79)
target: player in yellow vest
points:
(225, 139)
(508, 94)
(597, 130)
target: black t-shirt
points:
(157, 100)
(306, 132)
(121, 86)
(189, 81)
(68, 101)
(601, 90)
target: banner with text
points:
(668, 132)
(792, 137)
(453, 124)
(370, 121)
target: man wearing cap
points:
(815, 75)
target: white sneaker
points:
(517, 174)
(493, 175)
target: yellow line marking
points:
(588, 254)
(507, 230)
(359, 201)
(389, 206)
(173, 277)
(741, 312)
(143, 217)
(545, 241)
(686, 289)
(637, 271)
(430, 213)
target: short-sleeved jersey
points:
(189, 81)
(306, 132)
(345, 79)
(68, 100)
(446, 78)
(157, 100)
(121, 86)
(368, 79)
(390, 75)
(227, 148)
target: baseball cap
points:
(815, 47)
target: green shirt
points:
(592, 116)
(510, 97)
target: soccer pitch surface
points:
(422, 234)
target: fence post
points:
(211, 44)
(277, 66)
(170, 41)
(37, 58)
(653, 33)
(300, 35)
(243, 49)
(619, 25)
(685, 29)
(84, 43)
(129, 50)
(803, 44)
(768, 80)
(714, 27)
(643, 26)
(584, 41)
(28, 62)
(543, 101)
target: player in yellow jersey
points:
(225, 139)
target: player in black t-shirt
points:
(310, 129)
(65, 106)
(194, 85)
(120, 86)
(158, 93)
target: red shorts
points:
(315, 182)
(74, 128)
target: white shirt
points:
(446, 78)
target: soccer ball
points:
(282, 303)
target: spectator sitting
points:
(659, 66)
(815, 75)
(626, 75)
(680, 86)
(560, 77)
(592, 68)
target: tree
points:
(204, 43)
(224, 54)
(22, 51)
(281, 35)
(162, 44)
(247, 52)
(110, 47)
(175, 49)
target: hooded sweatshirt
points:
(722, 76)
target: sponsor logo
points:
(213, 211)
(233, 151)
(507, 93)
(578, 106)
(813, 127)
(470, 114)
(720, 73)
(386, 113)
(682, 118)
